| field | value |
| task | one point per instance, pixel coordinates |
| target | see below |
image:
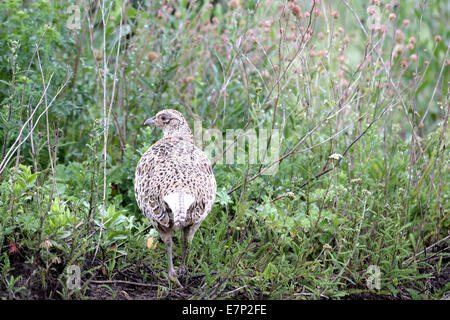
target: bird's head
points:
(171, 122)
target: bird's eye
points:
(163, 118)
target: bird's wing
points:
(206, 188)
(147, 189)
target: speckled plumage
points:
(175, 186)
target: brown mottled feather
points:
(174, 164)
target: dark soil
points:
(130, 284)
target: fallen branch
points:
(426, 249)
(126, 282)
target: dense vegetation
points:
(352, 96)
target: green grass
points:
(362, 176)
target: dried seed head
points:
(321, 53)
(406, 22)
(399, 36)
(234, 4)
(437, 38)
(392, 16)
(152, 56)
(98, 54)
(296, 11)
(47, 244)
(383, 29)
(398, 49)
(291, 37)
(372, 10)
(188, 79)
(335, 14)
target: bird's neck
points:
(184, 132)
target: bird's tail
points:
(179, 202)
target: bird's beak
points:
(149, 122)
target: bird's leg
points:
(172, 273)
(182, 269)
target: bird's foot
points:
(173, 277)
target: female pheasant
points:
(174, 183)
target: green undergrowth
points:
(355, 207)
